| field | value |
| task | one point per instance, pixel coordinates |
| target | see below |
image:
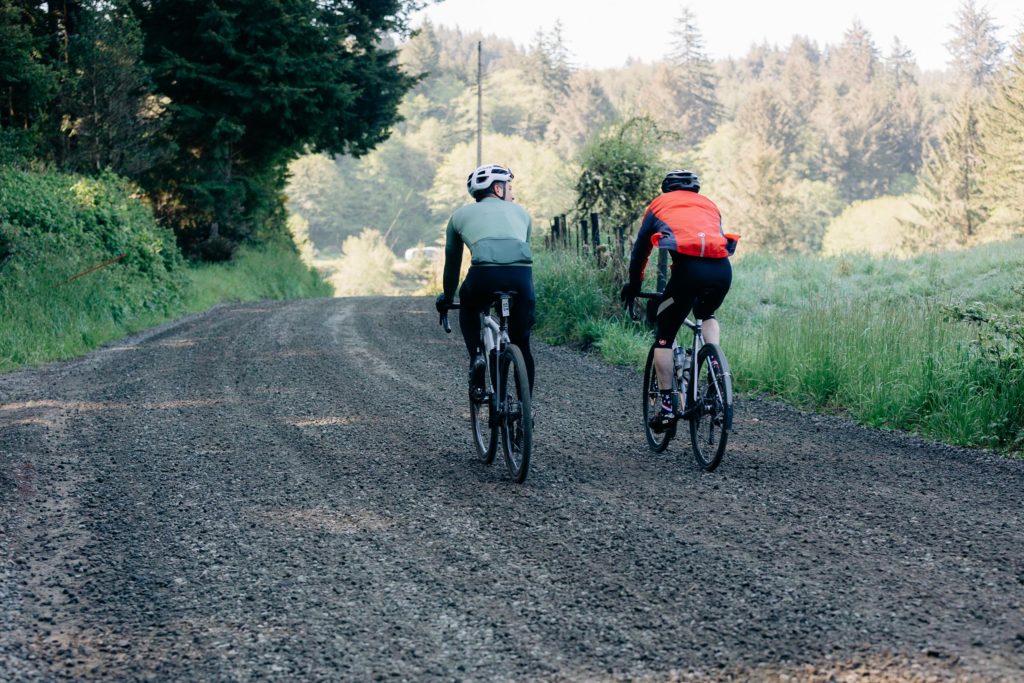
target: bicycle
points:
(706, 403)
(502, 407)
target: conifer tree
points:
(975, 47)
(250, 84)
(871, 133)
(548, 63)
(953, 209)
(107, 104)
(580, 115)
(27, 82)
(1004, 137)
(801, 79)
(693, 81)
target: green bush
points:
(82, 262)
(56, 229)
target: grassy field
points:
(932, 344)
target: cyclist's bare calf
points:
(663, 357)
(712, 332)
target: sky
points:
(605, 33)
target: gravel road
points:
(288, 491)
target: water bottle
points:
(683, 362)
(489, 339)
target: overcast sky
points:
(605, 33)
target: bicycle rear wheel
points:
(657, 441)
(517, 412)
(484, 419)
(711, 419)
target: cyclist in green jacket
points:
(497, 233)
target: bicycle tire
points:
(517, 413)
(652, 399)
(712, 414)
(485, 430)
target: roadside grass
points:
(83, 262)
(47, 318)
(254, 275)
(878, 339)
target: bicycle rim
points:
(517, 413)
(485, 436)
(656, 441)
(712, 416)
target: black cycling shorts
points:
(698, 284)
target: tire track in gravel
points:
(288, 490)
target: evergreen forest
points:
(807, 148)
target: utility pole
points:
(479, 103)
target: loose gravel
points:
(288, 491)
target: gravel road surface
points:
(288, 491)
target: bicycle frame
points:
(697, 344)
(493, 337)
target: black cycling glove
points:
(442, 303)
(628, 293)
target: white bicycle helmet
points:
(481, 178)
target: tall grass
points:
(46, 318)
(253, 275)
(871, 338)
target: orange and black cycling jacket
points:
(684, 222)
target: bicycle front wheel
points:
(711, 417)
(485, 420)
(657, 441)
(516, 412)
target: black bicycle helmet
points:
(681, 180)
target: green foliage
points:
(975, 46)
(693, 82)
(253, 82)
(952, 211)
(1003, 139)
(110, 117)
(580, 116)
(55, 227)
(255, 274)
(570, 294)
(621, 172)
(542, 182)
(881, 340)
(365, 266)
(873, 226)
(27, 80)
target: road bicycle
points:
(706, 402)
(501, 409)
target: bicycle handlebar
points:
(631, 307)
(444, 317)
(630, 303)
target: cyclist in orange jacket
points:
(689, 226)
